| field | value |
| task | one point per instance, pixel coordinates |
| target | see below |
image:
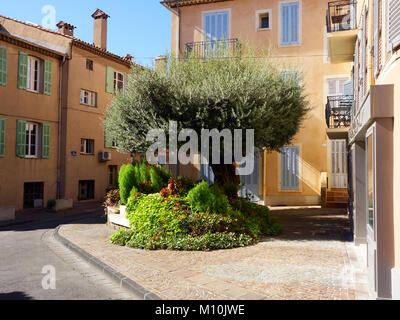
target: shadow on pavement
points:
(314, 224)
(16, 295)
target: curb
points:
(123, 281)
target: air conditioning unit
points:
(104, 156)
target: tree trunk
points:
(225, 173)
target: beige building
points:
(296, 31)
(54, 92)
(372, 43)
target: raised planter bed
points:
(116, 217)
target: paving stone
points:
(310, 260)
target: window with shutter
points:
(2, 137)
(22, 70)
(109, 80)
(290, 168)
(290, 25)
(3, 66)
(47, 77)
(216, 25)
(356, 75)
(377, 41)
(21, 139)
(46, 141)
(394, 24)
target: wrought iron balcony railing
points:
(341, 15)
(208, 49)
(338, 111)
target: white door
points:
(338, 164)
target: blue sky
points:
(138, 27)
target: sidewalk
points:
(309, 261)
(33, 215)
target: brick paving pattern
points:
(309, 261)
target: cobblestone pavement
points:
(312, 260)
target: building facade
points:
(296, 32)
(372, 44)
(54, 94)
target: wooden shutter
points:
(21, 138)
(22, 70)
(46, 141)
(216, 26)
(47, 77)
(3, 66)
(394, 24)
(348, 88)
(2, 137)
(250, 181)
(290, 168)
(107, 140)
(356, 74)
(289, 23)
(109, 80)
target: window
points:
(86, 190)
(112, 175)
(89, 64)
(263, 19)
(87, 146)
(291, 77)
(290, 26)
(32, 140)
(88, 98)
(33, 78)
(118, 81)
(3, 66)
(216, 25)
(290, 168)
(33, 74)
(33, 194)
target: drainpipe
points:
(179, 27)
(60, 83)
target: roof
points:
(23, 43)
(77, 42)
(183, 3)
(100, 14)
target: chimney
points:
(161, 63)
(65, 28)
(100, 29)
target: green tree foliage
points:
(126, 181)
(223, 91)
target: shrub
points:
(231, 189)
(205, 242)
(156, 180)
(112, 198)
(51, 203)
(144, 172)
(204, 198)
(121, 237)
(126, 181)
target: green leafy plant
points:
(51, 203)
(126, 181)
(204, 198)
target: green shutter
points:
(22, 70)
(2, 137)
(3, 66)
(107, 140)
(21, 138)
(47, 77)
(46, 141)
(110, 80)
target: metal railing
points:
(209, 49)
(338, 111)
(341, 15)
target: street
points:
(30, 249)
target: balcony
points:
(338, 116)
(341, 25)
(208, 49)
